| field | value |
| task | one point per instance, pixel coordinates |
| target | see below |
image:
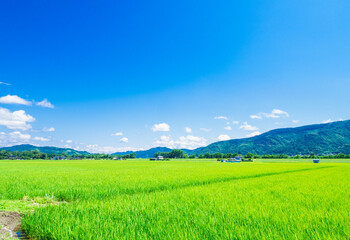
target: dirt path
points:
(10, 223)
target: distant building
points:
(159, 158)
(235, 160)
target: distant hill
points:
(56, 150)
(147, 153)
(322, 139)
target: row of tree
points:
(36, 154)
(175, 153)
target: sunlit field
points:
(180, 199)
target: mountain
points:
(147, 153)
(56, 150)
(322, 139)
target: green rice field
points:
(137, 199)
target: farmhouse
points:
(159, 158)
(59, 158)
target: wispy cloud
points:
(161, 127)
(188, 130)
(45, 103)
(205, 129)
(189, 142)
(248, 127)
(15, 137)
(46, 129)
(124, 140)
(3, 83)
(221, 118)
(117, 134)
(255, 116)
(228, 128)
(253, 134)
(42, 139)
(330, 120)
(276, 113)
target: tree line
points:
(177, 153)
(36, 154)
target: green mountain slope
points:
(329, 138)
(56, 150)
(146, 153)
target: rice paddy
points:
(179, 199)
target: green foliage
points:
(321, 139)
(175, 153)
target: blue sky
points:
(124, 75)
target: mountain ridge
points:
(322, 139)
(44, 149)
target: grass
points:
(181, 200)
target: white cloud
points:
(221, 117)
(15, 137)
(295, 121)
(235, 122)
(42, 139)
(19, 135)
(188, 130)
(228, 128)
(205, 129)
(95, 148)
(46, 129)
(117, 134)
(255, 117)
(69, 141)
(45, 103)
(161, 127)
(14, 99)
(331, 120)
(124, 140)
(223, 137)
(8, 84)
(248, 127)
(15, 120)
(188, 142)
(276, 113)
(253, 134)
(191, 142)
